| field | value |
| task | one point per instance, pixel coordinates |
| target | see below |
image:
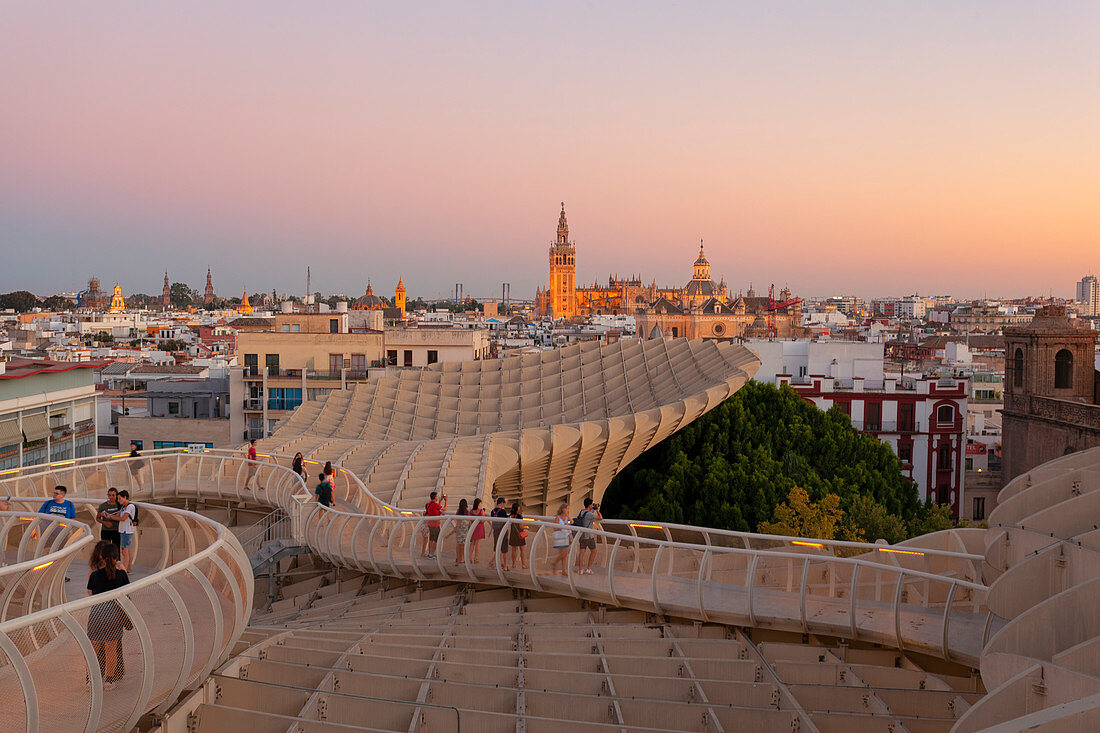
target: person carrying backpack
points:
(588, 516)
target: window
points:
(905, 417)
(872, 416)
(334, 325)
(1063, 370)
(433, 356)
(845, 407)
(675, 332)
(979, 507)
(335, 364)
(969, 464)
(251, 365)
(945, 414)
(296, 328)
(173, 408)
(1018, 368)
(905, 452)
(359, 363)
(284, 398)
(408, 357)
(943, 458)
(391, 357)
(272, 362)
(175, 444)
(286, 328)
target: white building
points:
(47, 411)
(921, 418)
(1088, 295)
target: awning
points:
(36, 426)
(9, 433)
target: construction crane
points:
(774, 306)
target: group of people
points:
(513, 544)
(109, 567)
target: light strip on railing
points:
(63, 463)
(43, 565)
(408, 514)
(899, 552)
(10, 470)
(647, 526)
(26, 519)
(121, 455)
(807, 544)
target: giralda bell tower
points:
(563, 272)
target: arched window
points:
(1063, 370)
(1018, 368)
(945, 414)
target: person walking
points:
(298, 466)
(125, 517)
(59, 505)
(252, 464)
(479, 530)
(589, 515)
(561, 540)
(432, 509)
(517, 538)
(324, 490)
(498, 527)
(107, 621)
(461, 531)
(109, 531)
(136, 466)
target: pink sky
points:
(846, 147)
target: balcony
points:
(881, 426)
(254, 404)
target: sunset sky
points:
(849, 147)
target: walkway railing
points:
(188, 602)
(909, 598)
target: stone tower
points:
(1052, 390)
(118, 304)
(166, 294)
(399, 295)
(208, 296)
(563, 272)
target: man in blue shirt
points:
(59, 505)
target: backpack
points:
(134, 519)
(580, 521)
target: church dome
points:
(369, 301)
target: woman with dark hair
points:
(479, 530)
(298, 467)
(461, 531)
(517, 538)
(107, 621)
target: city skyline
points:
(833, 150)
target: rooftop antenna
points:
(305, 300)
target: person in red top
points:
(432, 509)
(251, 463)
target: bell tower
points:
(563, 272)
(399, 295)
(166, 295)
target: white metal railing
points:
(186, 605)
(278, 525)
(910, 598)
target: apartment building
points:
(47, 411)
(290, 358)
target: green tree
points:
(181, 295)
(931, 518)
(20, 301)
(873, 522)
(57, 303)
(733, 466)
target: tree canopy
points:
(735, 465)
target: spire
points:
(563, 226)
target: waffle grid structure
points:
(679, 628)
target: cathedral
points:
(700, 309)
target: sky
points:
(872, 148)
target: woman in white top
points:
(561, 539)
